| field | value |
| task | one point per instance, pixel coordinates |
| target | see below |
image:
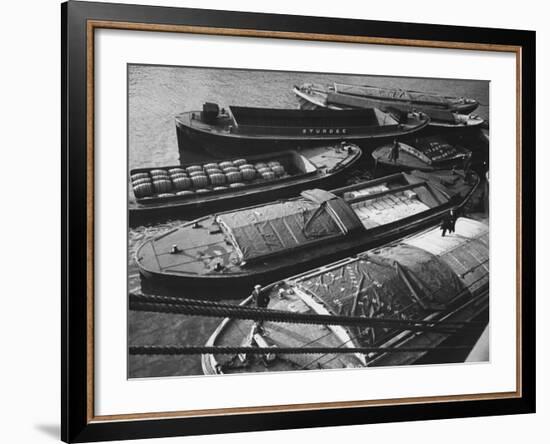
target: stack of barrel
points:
(186, 181)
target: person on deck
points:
(448, 223)
(394, 152)
(261, 299)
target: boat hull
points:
(197, 144)
(444, 118)
(324, 167)
(232, 286)
(149, 214)
(447, 294)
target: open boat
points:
(246, 131)
(444, 111)
(426, 154)
(435, 281)
(223, 252)
(190, 190)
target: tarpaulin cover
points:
(408, 280)
(282, 226)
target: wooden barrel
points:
(158, 172)
(220, 188)
(268, 175)
(263, 170)
(162, 195)
(246, 166)
(217, 179)
(260, 165)
(234, 177)
(226, 164)
(202, 190)
(140, 181)
(248, 173)
(173, 171)
(193, 168)
(231, 169)
(182, 183)
(185, 193)
(197, 173)
(278, 170)
(211, 165)
(273, 163)
(211, 171)
(199, 181)
(237, 185)
(239, 162)
(138, 176)
(143, 190)
(178, 176)
(162, 185)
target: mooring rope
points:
(164, 304)
(222, 350)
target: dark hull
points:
(385, 166)
(232, 286)
(196, 145)
(470, 137)
(148, 214)
(478, 312)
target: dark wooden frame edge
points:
(77, 423)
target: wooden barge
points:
(221, 254)
(244, 131)
(192, 190)
(444, 111)
(426, 278)
(425, 154)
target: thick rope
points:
(159, 304)
(214, 350)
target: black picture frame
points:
(77, 423)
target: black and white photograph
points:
(301, 221)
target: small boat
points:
(222, 252)
(245, 131)
(441, 283)
(444, 111)
(192, 190)
(427, 154)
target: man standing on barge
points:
(394, 152)
(448, 223)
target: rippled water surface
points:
(156, 95)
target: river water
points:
(156, 94)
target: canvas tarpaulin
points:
(265, 230)
(409, 280)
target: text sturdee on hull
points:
(244, 131)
